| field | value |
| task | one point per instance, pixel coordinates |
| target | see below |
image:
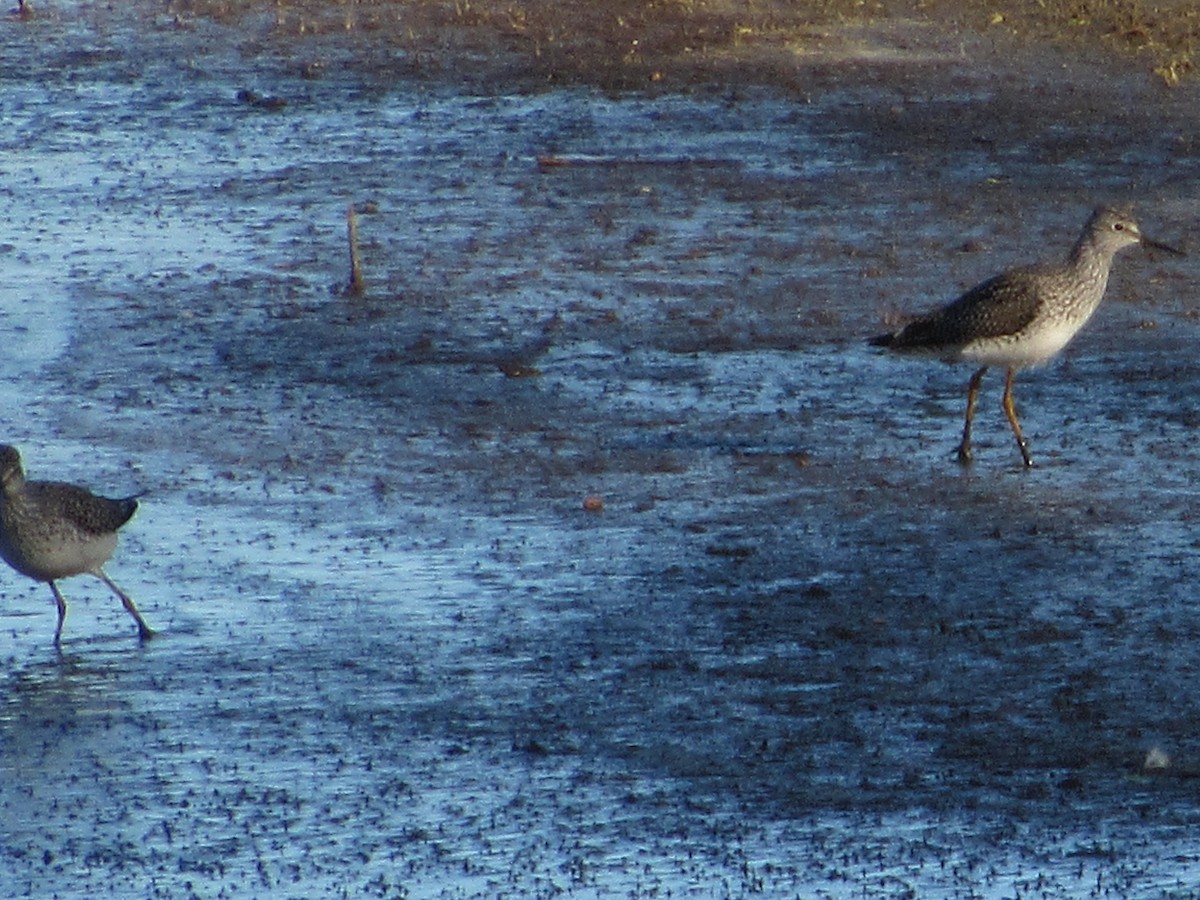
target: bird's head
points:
(12, 476)
(1113, 228)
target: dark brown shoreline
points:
(634, 44)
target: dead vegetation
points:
(632, 43)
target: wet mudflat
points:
(798, 651)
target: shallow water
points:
(798, 651)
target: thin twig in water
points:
(356, 286)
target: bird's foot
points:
(964, 455)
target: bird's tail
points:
(882, 340)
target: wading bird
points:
(51, 530)
(1024, 316)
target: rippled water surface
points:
(590, 552)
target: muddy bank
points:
(634, 45)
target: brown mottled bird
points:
(1024, 316)
(51, 530)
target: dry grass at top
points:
(626, 43)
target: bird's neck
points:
(1088, 267)
(1087, 260)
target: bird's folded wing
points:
(999, 307)
(78, 505)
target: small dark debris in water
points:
(644, 236)
(532, 746)
(1044, 633)
(593, 504)
(843, 633)
(730, 551)
(1071, 783)
(972, 246)
(260, 101)
(1033, 791)
(518, 370)
(312, 70)
(423, 344)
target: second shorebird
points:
(1024, 316)
(51, 530)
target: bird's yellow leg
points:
(1011, 411)
(964, 448)
(61, 602)
(144, 630)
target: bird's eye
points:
(1118, 226)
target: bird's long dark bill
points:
(1155, 245)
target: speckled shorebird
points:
(51, 530)
(1024, 316)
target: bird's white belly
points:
(51, 560)
(1031, 347)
